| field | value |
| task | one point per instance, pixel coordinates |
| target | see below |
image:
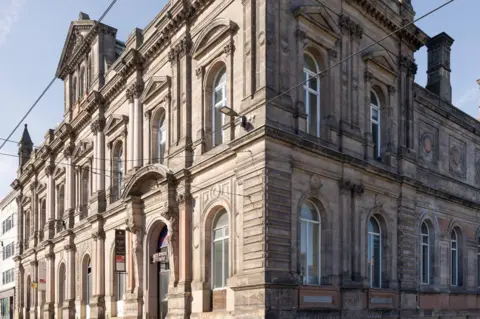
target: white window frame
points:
(378, 122)
(309, 74)
(317, 224)
(216, 105)
(423, 246)
(456, 250)
(371, 236)
(225, 231)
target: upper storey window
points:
(74, 90)
(310, 232)
(219, 100)
(375, 122)
(81, 82)
(311, 90)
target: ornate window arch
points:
(159, 136)
(311, 91)
(216, 96)
(310, 243)
(117, 169)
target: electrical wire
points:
(53, 80)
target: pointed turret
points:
(25, 148)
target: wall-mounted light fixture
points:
(230, 112)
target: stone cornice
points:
(412, 35)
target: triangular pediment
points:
(114, 121)
(82, 148)
(59, 170)
(154, 86)
(77, 33)
(319, 16)
(215, 31)
(382, 59)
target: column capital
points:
(49, 169)
(33, 185)
(50, 255)
(100, 234)
(68, 150)
(97, 125)
(229, 48)
(135, 90)
(69, 247)
(34, 263)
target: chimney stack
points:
(439, 66)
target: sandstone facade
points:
(300, 203)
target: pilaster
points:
(97, 302)
(50, 206)
(49, 306)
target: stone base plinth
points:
(97, 307)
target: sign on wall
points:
(120, 249)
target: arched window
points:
(311, 90)
(375, 123)
(89, 281)
(220, 250)
(454, 257)
(118, 170)
(74, 90)
(425, 259)
(219, 100)
(375, 252)
(161, 138)
(310, 228)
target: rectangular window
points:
(8, 250)
(8, 276)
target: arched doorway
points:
(159, 273)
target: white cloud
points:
(9, 13)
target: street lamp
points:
(230, 112)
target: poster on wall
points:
(120, 250)
(42, 275)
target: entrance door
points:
(163, 271)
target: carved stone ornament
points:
(456, 156)
(199, 71)
(368, 76)
(135, 90)
(427, 142)
(180, 50)
(315, 182)
(49, 169)
(33, 263)
(350, 27)
(229, 49)
(349, 186)
(68, 151)
(100, 234)
(333, 53)
(97, 126)
(408, 65)
(50, 255)
(69, 247)
(301, 35)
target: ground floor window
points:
(6, 308)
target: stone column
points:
(20, 223)
(69, 188)
(50, 205)
(49, 306)
(147, 151)
(138, 125)
(19, 304)
(94, 168)
(130, 134)
(100, 157)
(300, 110)
(98, 174)
(97, 303)
(346, 224)
(368, 141)
(69, 303)
(34, 291)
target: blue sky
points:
(32, 34)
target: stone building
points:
(8, 236)
(353, 195)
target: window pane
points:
(375, 115)
(309, 63)
(425, 263)
(313, 82)
(225, 262)
(373, 99)
(313, 116)
(376, 262)
(375, 137)
(217, 264)
(425, 240)
(454, 267)
(164, 284)
(218, 233)
(218, 96)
